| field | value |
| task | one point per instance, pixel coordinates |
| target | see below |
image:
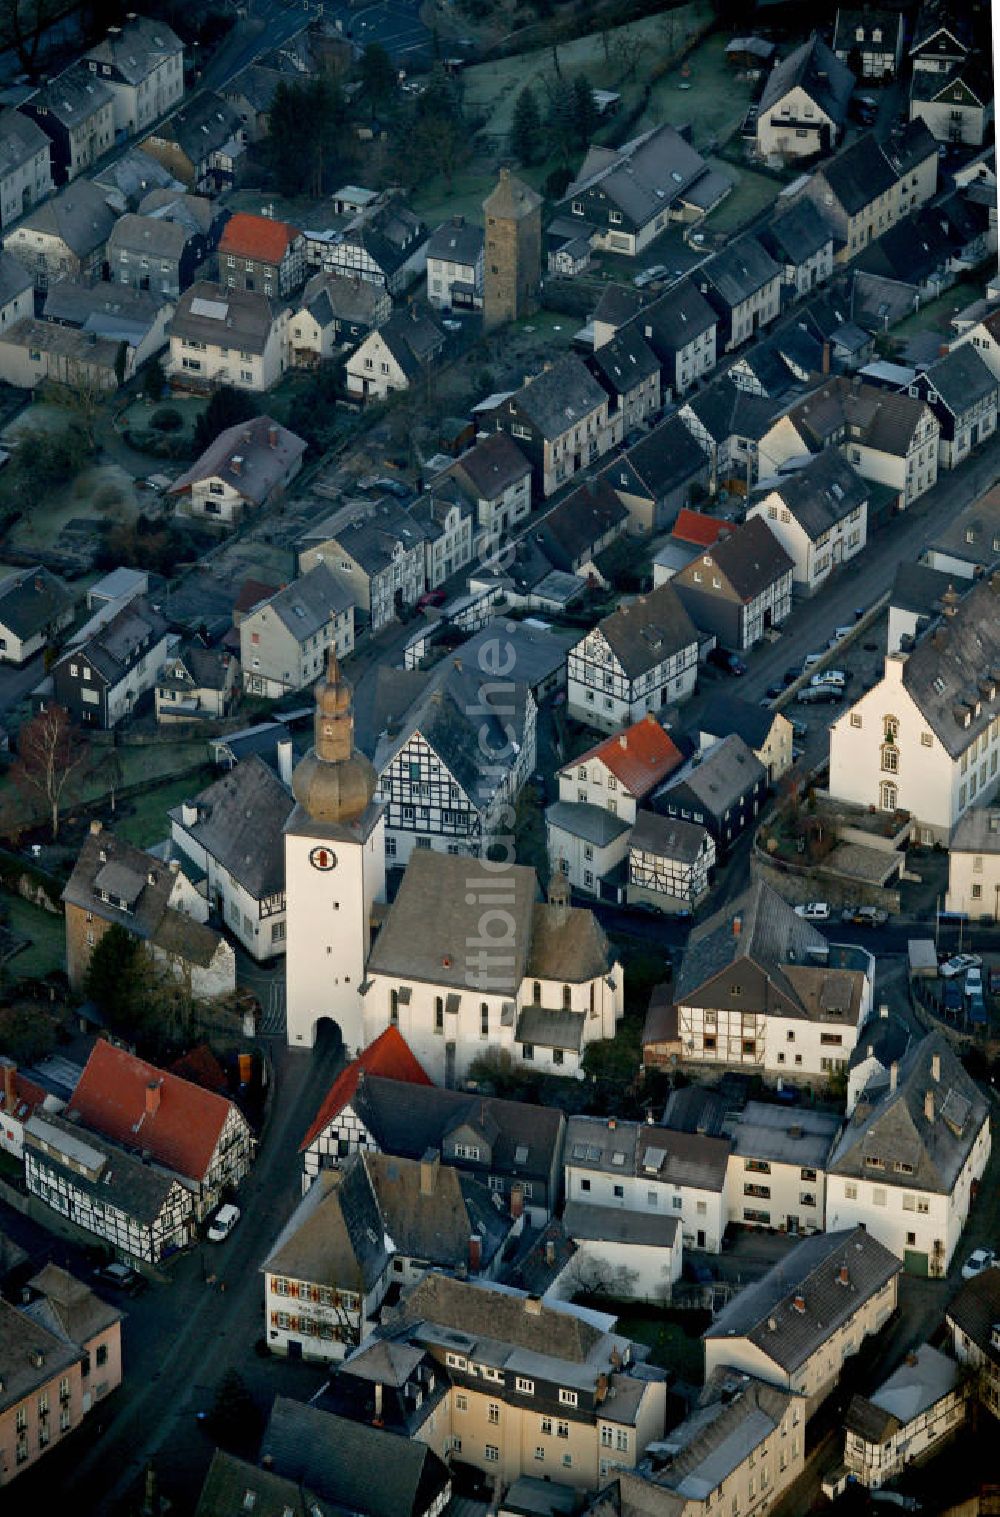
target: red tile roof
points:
(389, 1056)
(639, 757)
(201, 1067)
(27, 1095)
(183, 1130)
(703, 531)
(257, 237)
(252, 592)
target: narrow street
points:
(180, 1338)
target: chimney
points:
(612, 1124)
(152, 1098)
(189, 813)
(9, 1091)
(883, 1010)
(623, 741)
(272, 435)
(458, 665)
(533, 1306)
(39, 584)
(285, 761)
(893, 1075)
(378, 1401)
(95, 828)
(737, 925)
(428, 1171)
(843, 1275)
(929, 1106)
(826, 358)
(475, 1253)
(550, 1252)
(516, 1201)
(799, 1304)
(236, 464)
(936, 1068)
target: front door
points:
(294, 1348)
(792, 1225)
(701, 1237)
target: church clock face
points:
(323, 858)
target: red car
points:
(431, 598)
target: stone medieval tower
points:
(513, 254)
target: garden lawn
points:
(714, 105)
(144, 820)
(936, 315)
(751, 193)
(46, 935)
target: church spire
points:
(334, 783)
(333, 722)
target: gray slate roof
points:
(666, 458)
(357, 1467)
(456, 241)
(148, 234)
(14, 278)
(644, 632)
(32, 600)
(491, 466)
(975, 1310)
(811, 1271)
(230, 1481)
(723, 773)
(770, 934)
(139, 1190)
(332, 297)
(610, 1223)
(817, 71)
(738, 271)
(823, 493)
(72, 97)
(625, 362)
(138, 47)
(202, 125)
(20, 140)
(594, 824)
(764, 1130)
(724, 411)
(79, 216)
(614, 1147)
(224, 318)
(643, 176)
(954, 666)
(241, 820)
(899, 1129)
(751, 558)
(919, 588)
(727, 713)
(796, 235)
(961, 379)
(266, 452)
(573, 527)
(370, 537)
(978, 831)
(667, 837)
(560, 397)
(21, 1336)
(677, 318)
(413, 338)
(113, 647)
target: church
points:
(467, 958)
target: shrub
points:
(167, 419)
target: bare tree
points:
(51, 754)
(629, 48)
(23, 23)
(599, 1277)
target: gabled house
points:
(723, 788)
(261, 253)
(102, 680)
(34, 606)
(76, 112)
(910, 1415)
(626, 196)
(587, 828)
(197, 684)
(742, 283)
(655, 478)
(973, 1320)
(911, 1157)
(455, 266)
(984, 336)
(17, 302)
(220, 336)
(67, 237)
(284, 640)
(803, 110)
(889, 439)
(629, 370)
(25, 165)
(232, 836)
(974, 864)
(199, 1137)
(576, 531)
(642, 657)
(446, 519)
(634, 1166)
(154, 253)
(777, 1167)
(923, 739)
(801, 241)
(728, 421)
(819, 515)
(115, 884)
(136, 318)
(940, 38)
(395, 355)
(433, 746)
(513, 1148)
(870, 42)
(778, 365)
(336, 311)
(963, 394)
(495, 477)
(682, 328)
(337, 1131)
(376, 553)
(760, 988)
(200, 144)
(142, 64)
(422, 1215)
(385, 244)
(766, 731)
(957, 106)
(868, 186)
(34, 351)
(670, 863)
(739, 589)
(128, 179)
(796, 1327)
(247, 467)
(562, 420)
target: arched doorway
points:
(327, 1037)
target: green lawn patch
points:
(936, 314)
(46, 936)
(673, 1337)
(710, 96)
(144, 820)
(750, 194)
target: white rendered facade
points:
(601, 694)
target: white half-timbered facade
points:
(642, 657)
(670, 862)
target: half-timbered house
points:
(670, 862)
(642, 657)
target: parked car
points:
(830, 677)
(951, 997)
(974, 980)
(120, 1278)
(721, 658)
(223, 1223)
(773, 691)
(865, 916)
(431, 598)
(958, 964)
(994, 982)
(814, 911)
(811, 660)
(979, 1260)
(816, 695)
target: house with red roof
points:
(258, 253)
(19, 1097)
(699, 530)
(600, 792)
(195, 1135)
(338, 1130)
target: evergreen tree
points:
(560, 122)
(584, 110)
(378, 76)
(526, 127)
(226, 408)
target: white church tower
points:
(334, 872)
